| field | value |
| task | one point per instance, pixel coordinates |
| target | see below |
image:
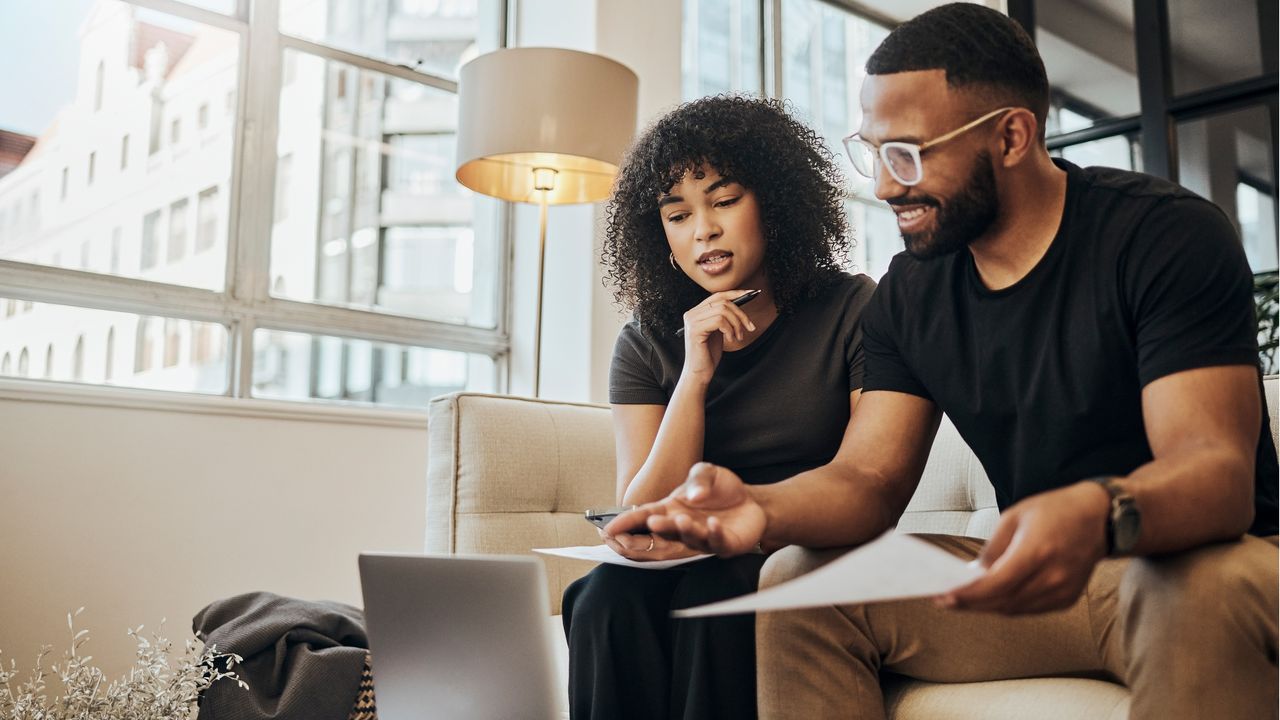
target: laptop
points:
(459, 637)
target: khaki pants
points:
(1193, 635)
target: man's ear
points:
(1019, 136)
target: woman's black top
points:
(775, 408)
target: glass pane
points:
(876, 237)
(111, 72)
(721, 47)
(824, 53)
(299, 366)
(75, 344)
(1220, 42)
(1091, 59)
(367, 211)
(227, 7)
(432, 36)
(1228, 159)
(1118, 152)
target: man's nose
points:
(886, 186)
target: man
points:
(1091, 335)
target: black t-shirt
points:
(1043, 379)
(775, 408)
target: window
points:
(109, 361)
(84, 255)
(172, 342)
(823, 49)
(97, 86)
(6, 365)
(77, 360)
(150, 241)
(116, 237)
(93, 161)
(144, 346)
(48, 363)
(24, 364)
(177, 231)
(207, 219)
(332, 226)
(284, 171)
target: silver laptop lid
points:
(459, 637)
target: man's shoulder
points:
(1134, 193)
(908, 274)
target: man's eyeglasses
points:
(903, 158)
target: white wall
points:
(152, 511)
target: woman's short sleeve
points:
(633, 372)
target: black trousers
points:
(629, 659)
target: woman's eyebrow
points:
(668, 200)
(718, 184)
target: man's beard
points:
(963, 219)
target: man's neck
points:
(1031, 205)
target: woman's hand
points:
(642, 548)
(706, 326)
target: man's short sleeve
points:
(632, 372)
(884, 366)
(1189, 291)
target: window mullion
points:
(295, 316)
(61, 286)
(367, 63)
(259, 121)
(191, 12)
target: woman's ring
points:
(652, 540)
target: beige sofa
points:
(507, 474)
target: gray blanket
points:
(302, 660)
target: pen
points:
(741, 300)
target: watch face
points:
(1127, 525)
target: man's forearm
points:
(829, 506)
(1192, 499)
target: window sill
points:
(40, 391)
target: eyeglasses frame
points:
(914, 150)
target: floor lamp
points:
(546, 126)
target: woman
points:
(721, 196)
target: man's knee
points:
(1225, 585)
(793, 561)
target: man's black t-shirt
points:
(777, 407)
(1043, 379)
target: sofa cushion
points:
(510, 474)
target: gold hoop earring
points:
(671, 258)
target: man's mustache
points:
(915, 200)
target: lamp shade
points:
(523, 109)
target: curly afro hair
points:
(755, 141)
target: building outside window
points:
(354, 258)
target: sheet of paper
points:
(605, 554)
(892, 567)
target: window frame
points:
(245, 304)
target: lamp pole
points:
(544, 181)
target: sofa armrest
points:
(508, 474)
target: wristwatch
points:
(1124, 520)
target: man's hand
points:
(711, 512)
(1041, 555)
